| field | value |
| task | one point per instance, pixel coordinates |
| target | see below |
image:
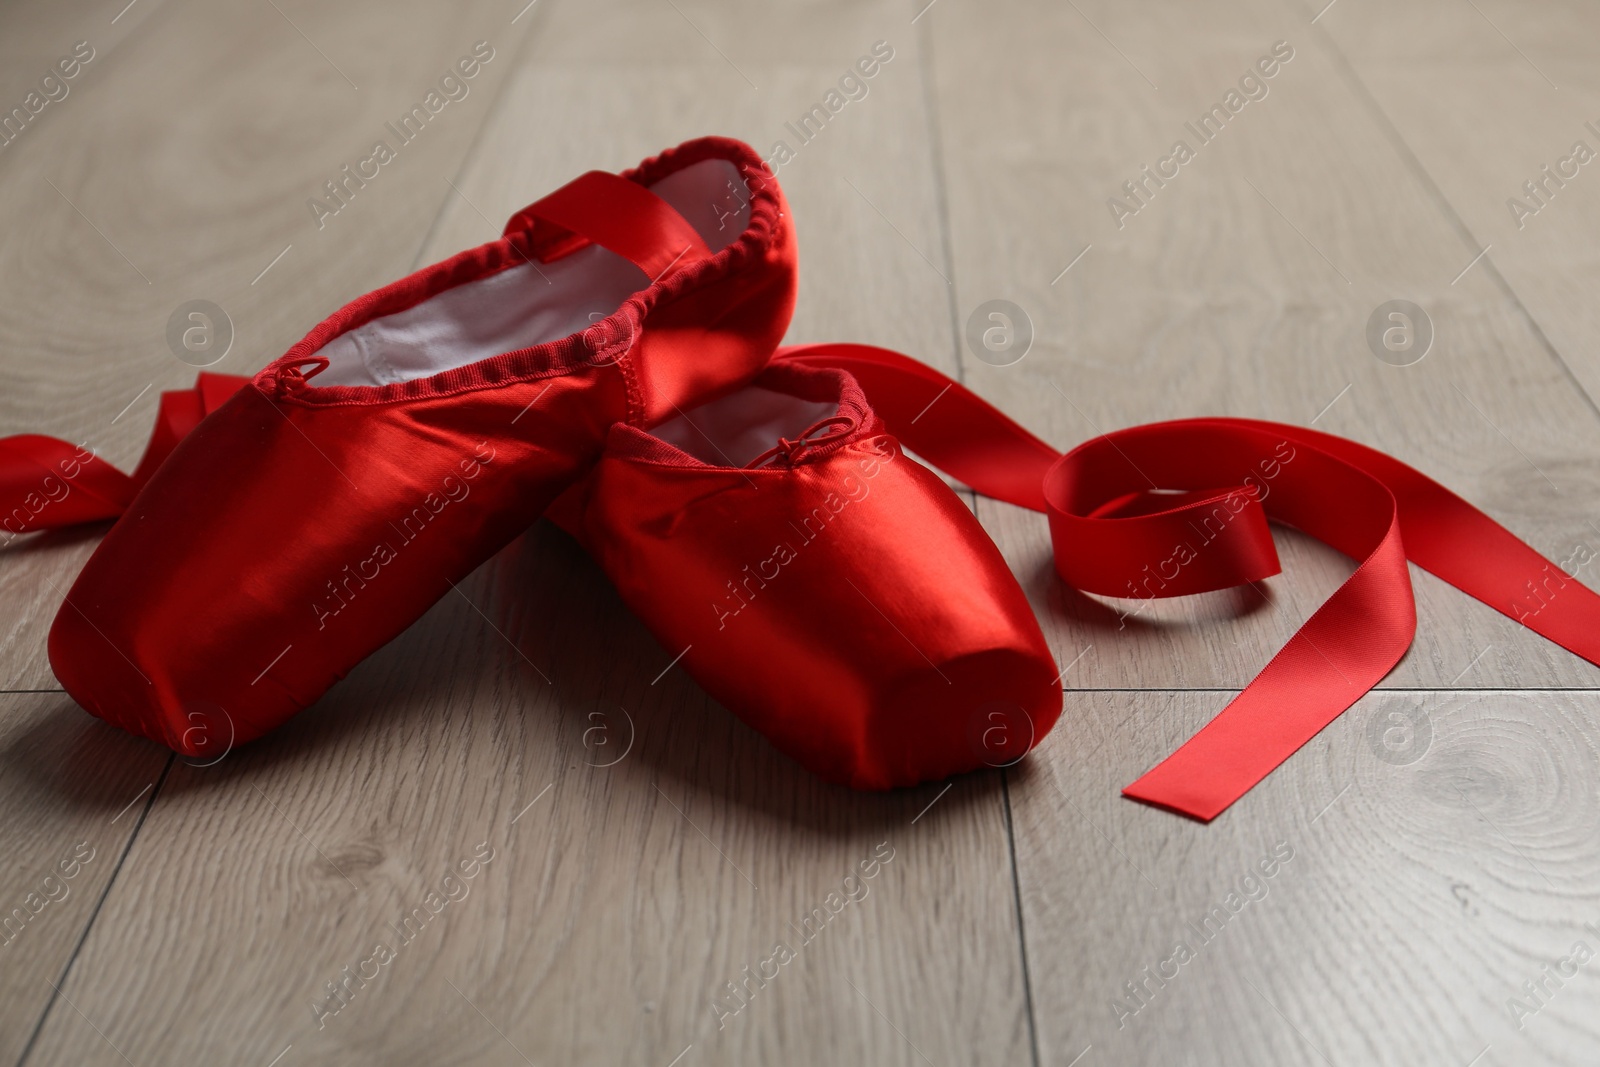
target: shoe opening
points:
(531, 304)
(781, 405)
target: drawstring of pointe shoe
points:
(789, 452)
(292, 378)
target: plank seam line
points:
(1022, 934)
(61, 980)
(1396, 138)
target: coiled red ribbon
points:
(1167, 509)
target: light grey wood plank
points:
(1242, 287)
(38, 34)
(72, 794)
(862, 191)
(193, 148)
(1442, 855)
(1530, 89)
(616, 906)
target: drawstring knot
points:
(292, 379)
(789, 452)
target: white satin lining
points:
(530, 304)
(734, 429)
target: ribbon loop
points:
(1198, 542)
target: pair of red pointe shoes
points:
(612, 345)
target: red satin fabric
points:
(298, 528)
(838, 597)
(619, 216)
(1117, 534)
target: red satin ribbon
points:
(1119, 529)
(620, 216)
(47, 484)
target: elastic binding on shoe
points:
(808, 444)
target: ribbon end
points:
(1200, 809)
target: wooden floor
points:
(1433, 852)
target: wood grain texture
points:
(182, 163)
(616, 906)
(36, 35)
(1242, 287)
(863, 191)
(1533, 90)
(625, 899)
(73, 792)
(1442, 855)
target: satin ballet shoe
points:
(328, 503)
(829, 590)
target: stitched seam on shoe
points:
(633, 388)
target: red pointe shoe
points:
(331, 501)
(829, 590)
